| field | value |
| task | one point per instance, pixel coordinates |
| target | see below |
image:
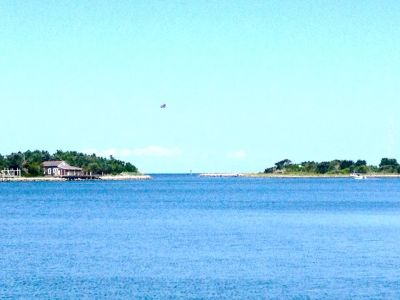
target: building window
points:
(49, 171)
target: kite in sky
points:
(163, 105)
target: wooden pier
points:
(80, 177)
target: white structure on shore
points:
(8, 174)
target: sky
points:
(245, 83)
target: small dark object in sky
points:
(163, 105)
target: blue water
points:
(189, 237)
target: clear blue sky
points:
(246, 83)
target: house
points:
(60, 168)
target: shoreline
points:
(210, 175)
(59, 179)
(263, 175)
(125, 177)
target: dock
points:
(80, 177)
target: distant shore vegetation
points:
(30, 162)
(334, 167)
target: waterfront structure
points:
(8, 174)
(57, 168)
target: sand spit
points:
(221, 175)
(125, 177)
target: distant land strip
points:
(387, 167)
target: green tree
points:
(130, 168)
(346, 164)
(3, 162)
(334, 166)
(363, 169)
(309, 166)
(323, 167)
(280, 165)
(389, 165)
(388, 162)
(34, 169)
(93, 167)
(270, 170)
(360, 163)
(16, 161)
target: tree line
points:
(387, 165)
(30, 162)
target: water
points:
(188, 237)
